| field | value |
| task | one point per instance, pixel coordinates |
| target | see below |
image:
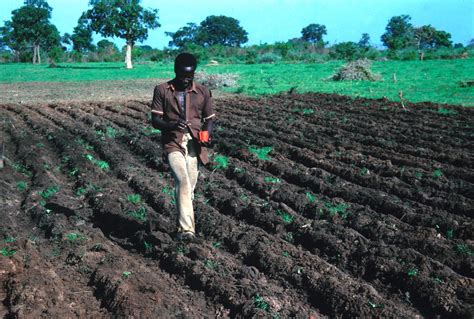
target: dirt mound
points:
(315, 205)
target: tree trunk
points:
(38, 52)
(128, 57)
(34, 53)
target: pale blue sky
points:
(269, 21)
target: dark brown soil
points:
(358, 209)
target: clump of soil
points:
(358, 70)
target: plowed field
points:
(314, 206)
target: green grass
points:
(432, 80)
(72, 72)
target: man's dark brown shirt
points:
(198, 108)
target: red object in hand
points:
(204, 136)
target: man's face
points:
(185, 78)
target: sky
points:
(270, 21)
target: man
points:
(182, 110)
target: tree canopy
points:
(125, 19)
(427, 37)
(30, 28)
(221, 30)
(184, 36)
(398, 33)
(214, 30)
(314, 33)
(81, 37)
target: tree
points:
(345, 50)
(184, 36)
(364, 41)
(221, 30)
(82, 36)
(314, 33)
(30, 28)
(399, 33)
(442, 39)
(125, 19)
(427, 37)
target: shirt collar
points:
(171, 86)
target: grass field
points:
(437, 81)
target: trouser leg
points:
(185, 172)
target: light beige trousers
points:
(185, 172)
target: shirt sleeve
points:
(208, 111)
(157, 103)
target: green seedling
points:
(21, 186)
(148, 246)
(126, 274)
(273, 180)
(72, 237)
(20, 168)
(80, 191)
(221, 162)
(40, 145)
(10, 239)
(311, 198)
(84, 144)
(260, 302)
(73, 172)
(438, 280)
(437, 173)
(418, 175)
(363, 171)
(101, 164)
(49, 192)
(337, 209)
(303, 111)
(261, 153)
(7, 252)
(110, 132)
(217, 244)
(450, 233)
(139, 214)
(412, 272)
(211, 264)
(464, 249)
(285, 253)
(134, 198)
(287, 218)
(147, 131)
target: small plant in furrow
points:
(287, 218)
(261, 153)
(49, 192)
(101, 164)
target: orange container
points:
(204, 136)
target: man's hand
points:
(181, 125)
(205, 139)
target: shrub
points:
(216, 81)
(358, 70)
(344, 51)
(268, 57)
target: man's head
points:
(184, 67)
